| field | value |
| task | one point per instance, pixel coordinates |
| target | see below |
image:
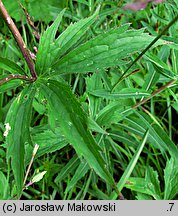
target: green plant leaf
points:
(112, 113)
(47, 45)
(149, 185)
(130, 166)
(40, 10)
(106, 50)
(10, 85)
(17, 132)
(73, 122)
(153, 184)
(124, 93)
(68, 168)
(137, 184)
(171, 179)
(160, 66)
(38, 176)
(51, 49)
(4, 187)
(95, 127)
(47, 140)
(83, 2)
(140, 185)
(157, 136)
(151, 77)
(73, 33)
(175, 105)
(80, 172)
(141, 196)
(11, 66)
(93, 82)
(154, 59)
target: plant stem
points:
(154, 93)
(15, 76)
(11, 25)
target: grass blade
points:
(124, 93)
(10, 66)
(131, 166)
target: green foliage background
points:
(92, 142)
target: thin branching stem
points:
(155, 93)
(16, 76)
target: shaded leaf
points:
(11, 66)
(68, 168)
(130, 166)
(175, 106)
(11, 84)
(157, 136)
(4, 187)
(17, 132)
(73, 122)
(80, 172)
(83, 2)
(48, 9)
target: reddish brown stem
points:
(155, 93)
(11, 25)
(16, 76)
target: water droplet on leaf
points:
(90, 63)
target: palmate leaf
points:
(73, 122)
(17, 132)
(105, 50)
(51, 49)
